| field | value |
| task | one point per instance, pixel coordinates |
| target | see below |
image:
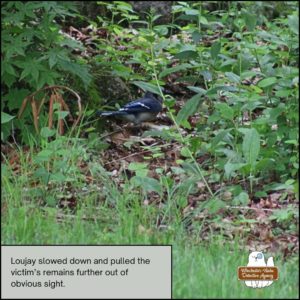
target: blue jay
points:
(137, 111)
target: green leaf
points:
(146, 183)
(233, 77)
(147, 87)
(5, 118)
(260, 194)
(174, 69)
(161, 29)
(15, 98)
(73, 44)
(186, 54)
(185, 152)
(42, 174)
(134, 166)
(196, 36)
(139, 168)
(250, 20)
(8, 68)
(214, 205)
(150, 38)
(197, 90)
(61, 114)
(293, 22)
(251, 145)
(51, 200)
(219, 137)
(241, 199)
(229, 168)
(47, 132)
(77, 69)
(43, 156)
(31, 69)
(192, 12)
(189, 108)
(58, 176)
(215, 49)
(225, 110)
(203, 20)
(267, 82)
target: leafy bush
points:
(35, 53)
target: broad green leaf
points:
(134, 166)
(174, 69)
(203, 20)
(30, 69)
(15, 98)
(8, 68)
(249, 74)
(147, 87)
(190, 107)
(233, 77)
(61, 114)
(51, 200)
(214, 205)
(150, 37)
(215, 49)
(251, 145)
(277, 187)
(43, 156)
(267, 82)
(73, 44)
(124, 5)
(225, 110)
(214, 90)
(161, 29)
(47, 132)
(196, 36)
(241, 199)
(260, 194)
(219, 137)
(139, 168)
(42, 174)
(250, 20)
(77, 69)
(52, 59)
(293, 22)
(229, 168)
(265, 164)
(187, 54)
(58, 176)
(185, 152)
(207, 75)
(197, 90)
(5, 118)
(191, 169)
(192, 12)
(146, 183)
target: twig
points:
(133, 154)
(249, 208)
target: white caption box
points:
(86, 272)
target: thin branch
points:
(250, 208)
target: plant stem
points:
(176, 125)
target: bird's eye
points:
(259, 256)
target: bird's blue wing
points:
(143, 105)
